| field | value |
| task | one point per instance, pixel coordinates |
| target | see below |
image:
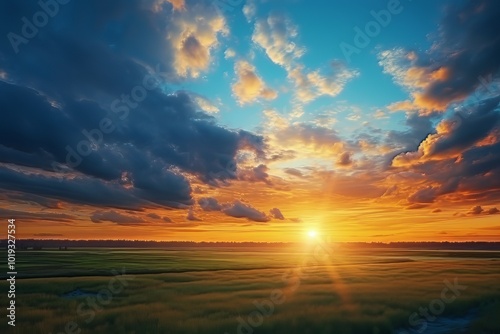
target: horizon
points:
(260, 242)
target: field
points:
(248, 290)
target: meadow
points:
(248, 290)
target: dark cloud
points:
(236, 209)
(276, 214)
(209, 204)
(426, 195)
(493, 211)
(191, 216)
(255, 174)
(153, 215)
(42, 201)
(81, 189)
(344, 159)
(88, 47)
(461, 157)
(115, 217)
(281, 155)
(476, 174)
(23, 215)
(477, 210)
(242, 210)
(419, 127)
(83, 98)
(294, 171)
(469, 49)
(199, 190)
(469, 130)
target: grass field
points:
(254, 291)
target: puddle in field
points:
(442, 325)
(79, 293)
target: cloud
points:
(303, 136)
(193, 35)
(402, 106)
(344, 159)
(42, 201)
(23, 215)
(426, 195)
(456, 134)
(153, 145)
(236, 209)
(209, 204)
(177, 137)
(153, 215)
(276, 35)
(204, 104)
(249, 10)
(229, 53)
(176, 4)
(85, 56)
(294, 172)
(311, 85)
(191, 216)
(276, 214)
(473, 174)
(240, 210)
(477, 210)
(464, 55)
(87, 190)
(254, 174)
(249, 87)
(418, 128)
(115, 217)
(493, 211)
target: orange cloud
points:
(249, 87)
(176, 4)
(193, 35)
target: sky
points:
(256, 120)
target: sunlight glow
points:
(312, 234)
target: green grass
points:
(206, 290)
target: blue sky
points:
(320, 33)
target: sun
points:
(312, 234)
